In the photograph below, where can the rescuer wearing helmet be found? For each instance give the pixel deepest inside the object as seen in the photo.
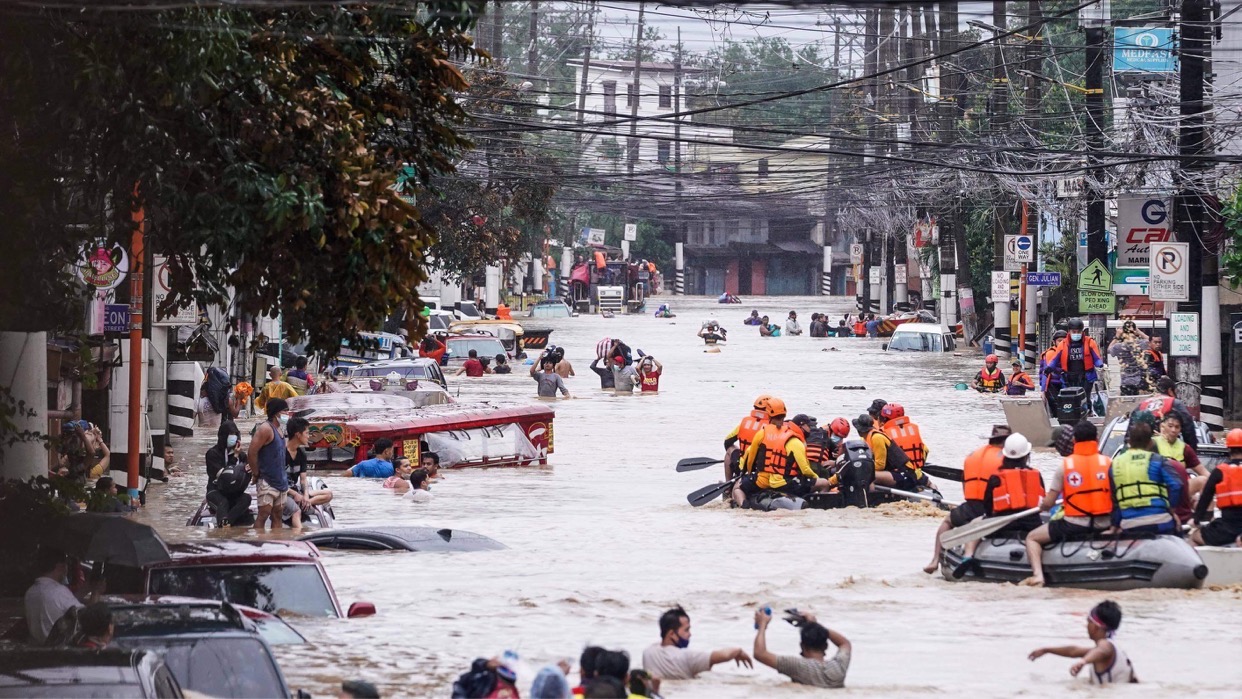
(1014, 487)
(1225, 484)
(1078, 357)
(979, 468)
(990, 378)
(1049, 373)
(905, 434)
(738, 441)
(839, 429)
(778, 459)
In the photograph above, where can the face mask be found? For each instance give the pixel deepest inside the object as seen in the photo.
(284, 419)
(1076, 336)
(682, 642)
(231, 441)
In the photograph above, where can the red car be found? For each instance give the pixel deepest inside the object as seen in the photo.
(278, 577)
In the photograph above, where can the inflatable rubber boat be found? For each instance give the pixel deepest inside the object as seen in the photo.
(319, 516)
(1096, 564)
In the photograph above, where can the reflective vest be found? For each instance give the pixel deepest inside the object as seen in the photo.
(1132, 481)
(1084, 488)
(599, 260)
(991, 381)
(981, 465)
(1019, 489)
(1090, 351)
(817, 449)
(1229, 492)
(1158, 405)
(1175, 451)
(777, 460)
(751, 426)
(905, 434)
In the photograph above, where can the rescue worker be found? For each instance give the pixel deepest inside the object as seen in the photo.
(1049, 372)
(1225, 485)
(978, 469)
(1014, 487)
(1083, 484)
(1019, 381)
(1170, 445)
(778, 460)
(738, 441)
(876, 406)
(1155, 361)
(905, 434)
(1144, 486)
(818, 453)
(839, 430)
(1164, 402)
(1078, 357)
(990, 378)
(892, 467)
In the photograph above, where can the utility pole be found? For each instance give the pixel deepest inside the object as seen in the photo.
(1192, 226)
(137, 258)
(948, 134)
(998, 107)
(632, 148)
(498, 31)
(681, 224)
(870, 63)
(1097, 237)
(1031, 115)
(583, 86)
(532, 47)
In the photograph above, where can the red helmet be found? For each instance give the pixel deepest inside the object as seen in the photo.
(1233, 439)
(991, 359)
(840, 427)
(892, 411)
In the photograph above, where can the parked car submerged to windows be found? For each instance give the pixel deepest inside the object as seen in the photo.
(87, 674)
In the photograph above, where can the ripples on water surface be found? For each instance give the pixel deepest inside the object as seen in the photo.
(603, 540)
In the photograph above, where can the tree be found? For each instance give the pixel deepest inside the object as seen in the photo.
(263, 143)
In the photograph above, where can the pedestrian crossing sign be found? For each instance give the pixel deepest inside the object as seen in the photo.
(1095, 277)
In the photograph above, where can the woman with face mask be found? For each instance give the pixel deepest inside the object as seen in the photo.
(228, 478)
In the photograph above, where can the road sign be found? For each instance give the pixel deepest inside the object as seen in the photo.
(1000, 285)
(1144, 50)
(1131, 282)
(1025, 252)
(899, 274)
(1141, 222)
(1096, 301)
(874, 276)
(1043, 278)
(593, 236)
(1183, 334)
(631, 232)
(116, 318)
(161, 287)
(856, 254)
(1012, 263)
(1237, 333)
(1095, 277)
(1170, 272)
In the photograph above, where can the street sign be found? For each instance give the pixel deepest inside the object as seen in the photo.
(116, 318)
(631, 232)
(1131, 282)
(1095, 277)
(1183, 334)
(1141, 222)
(1082, 256)
(856, 254)
(1025, 252)
(1237, 333)
(1000, 285)
(1170, 272)
(1096, 301)
(161, 287)
(874, 276)
(1043, 278)
(1144, 50)
(1012, 263)
(593, 236)
(899, 274)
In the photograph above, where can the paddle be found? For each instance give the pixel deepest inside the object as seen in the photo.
(949, 473)
(916, 496)
(981, 527)
(706, 494)
(696, 463)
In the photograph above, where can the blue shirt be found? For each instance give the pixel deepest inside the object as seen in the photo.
(272, 461)
(373, 468)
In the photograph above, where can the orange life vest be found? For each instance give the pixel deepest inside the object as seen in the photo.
(751, 426)
(905, 434)
(992, 380)
(1229, 492)
(1085, 491)
(777, 460)
(599, 260)
(982, 464)
(1019, 489)
(860, 328)
(1090, 351)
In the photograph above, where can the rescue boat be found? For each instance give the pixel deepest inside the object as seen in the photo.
(1095, 564)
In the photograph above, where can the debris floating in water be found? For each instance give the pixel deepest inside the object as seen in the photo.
(849, 388)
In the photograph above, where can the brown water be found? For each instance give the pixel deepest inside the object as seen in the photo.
(603, 540)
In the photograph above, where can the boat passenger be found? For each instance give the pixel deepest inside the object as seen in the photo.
(472, 366)
(1050, 373)
(874, 409)
(606, 382)
(737, 442)
(502, 365)
(1184, 460)
(672, 659)
(811, 666)
(892, 466)
(549, 382)
(1144, 485)
(977, 471)
(1015, 487)
(1083, 481)
(1165, 402)
(1225, 485)
(1019, 381)
(838, 430)
(1109, 664)
(420, 486)
(905, 434)
(990, 378)
(792, 327)
(753, 319)
(778, 456)
(1078, 356)
(378, 466)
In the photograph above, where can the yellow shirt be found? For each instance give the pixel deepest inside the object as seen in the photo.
(274, 389)
(796, 448)
(879, 442)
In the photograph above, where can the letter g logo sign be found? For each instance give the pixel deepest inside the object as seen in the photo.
(1154, 212)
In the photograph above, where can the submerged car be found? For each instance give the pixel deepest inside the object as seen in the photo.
(551, 308)
(406, 370)
(459, 346)
(921, 337)
(67, 673)
(384, 538)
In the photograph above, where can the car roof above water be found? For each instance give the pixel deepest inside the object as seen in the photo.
(235, 551)
(920, 328)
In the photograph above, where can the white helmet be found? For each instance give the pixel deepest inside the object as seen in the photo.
(1016, 446)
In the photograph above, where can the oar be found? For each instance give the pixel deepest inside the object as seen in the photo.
(706, 494)
(981, 527)
(949, 473)
(916, 496)
(696, 463)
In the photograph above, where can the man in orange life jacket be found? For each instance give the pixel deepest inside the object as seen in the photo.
(1078, 357)
(905, 434)
(980, 466)
(1225, 484)
(1014, 488)
(1084, 484)
(778, 460)
(990, 378)
(1019, 381)
(1155, 361)
(739, 440)
(892, 466)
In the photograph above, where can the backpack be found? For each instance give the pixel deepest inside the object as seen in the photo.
(218, 386)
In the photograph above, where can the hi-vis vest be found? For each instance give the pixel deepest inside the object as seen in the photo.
(1229, 492)
(1019, 489)
(982, 464)
(990, 381)
(1175, 451)
(905, 434)
(1132, 481)
(1085, 491)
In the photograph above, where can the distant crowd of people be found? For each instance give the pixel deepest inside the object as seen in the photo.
(849, 325)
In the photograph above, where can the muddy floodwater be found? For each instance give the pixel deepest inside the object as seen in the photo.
(602, 540)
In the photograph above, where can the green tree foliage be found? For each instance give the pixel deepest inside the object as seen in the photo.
(264, 144)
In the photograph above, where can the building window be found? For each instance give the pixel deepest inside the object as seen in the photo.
(666, 97)
(631, 95)
(662, 151)
(610, 96)
(763, 168)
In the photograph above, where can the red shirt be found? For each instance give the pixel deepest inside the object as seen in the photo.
(473, 367)
(650, 380)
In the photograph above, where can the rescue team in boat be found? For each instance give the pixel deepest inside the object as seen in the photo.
(766, 452)
(1090, 495)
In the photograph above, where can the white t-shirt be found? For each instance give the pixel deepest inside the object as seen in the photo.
(673, 663)
(418, 495)
(207, 416)
(46, 602)
(1121, 671)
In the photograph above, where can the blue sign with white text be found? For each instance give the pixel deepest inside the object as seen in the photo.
(1144, 50)
(116, 318)
(1043, 278)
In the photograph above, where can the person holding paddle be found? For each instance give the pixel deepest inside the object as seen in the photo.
(979, 468)
(1014, 488)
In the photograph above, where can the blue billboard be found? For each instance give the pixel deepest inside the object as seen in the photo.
(1144, 50)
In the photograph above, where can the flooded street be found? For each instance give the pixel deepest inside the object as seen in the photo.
(603, 540)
